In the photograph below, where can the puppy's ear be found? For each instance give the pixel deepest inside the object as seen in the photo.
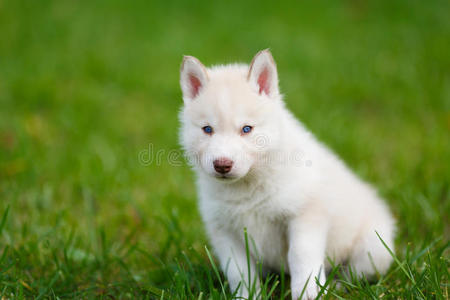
(193, 77)
(263, 73)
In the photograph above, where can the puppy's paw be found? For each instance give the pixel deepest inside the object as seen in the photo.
(310, 293)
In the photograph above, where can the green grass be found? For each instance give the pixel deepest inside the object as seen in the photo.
(85, 86)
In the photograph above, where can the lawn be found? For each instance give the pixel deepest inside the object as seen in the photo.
(96, 203)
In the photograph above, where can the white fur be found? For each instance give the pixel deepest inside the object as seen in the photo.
(299, 203)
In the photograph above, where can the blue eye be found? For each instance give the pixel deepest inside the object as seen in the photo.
(247, 129)
(207, 129)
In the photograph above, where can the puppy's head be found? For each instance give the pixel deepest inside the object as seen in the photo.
(229, 118)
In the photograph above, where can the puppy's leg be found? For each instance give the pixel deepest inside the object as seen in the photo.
(306, 255)
(233, 261)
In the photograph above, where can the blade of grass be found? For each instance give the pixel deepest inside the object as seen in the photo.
(216, 271)
(3, 221)
(401, 265)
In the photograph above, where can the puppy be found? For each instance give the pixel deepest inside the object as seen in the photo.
(261, 170)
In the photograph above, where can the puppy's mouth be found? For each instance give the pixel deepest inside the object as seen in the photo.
(223, 176)
(228, 177)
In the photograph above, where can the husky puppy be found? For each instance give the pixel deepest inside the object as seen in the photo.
(261, 170)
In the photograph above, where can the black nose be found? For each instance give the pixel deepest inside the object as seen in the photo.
(223, 165)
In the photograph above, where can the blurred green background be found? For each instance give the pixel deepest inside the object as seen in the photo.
(85, 86)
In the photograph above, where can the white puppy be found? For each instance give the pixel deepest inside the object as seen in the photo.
(258, 168)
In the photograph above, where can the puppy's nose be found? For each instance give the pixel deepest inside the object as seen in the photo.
(223, 165)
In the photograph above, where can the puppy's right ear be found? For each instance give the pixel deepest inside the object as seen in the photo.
(193, 77)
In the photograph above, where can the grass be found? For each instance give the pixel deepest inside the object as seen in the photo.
(86, 87)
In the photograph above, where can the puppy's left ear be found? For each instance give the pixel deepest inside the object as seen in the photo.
(263, 73)
(193, 77)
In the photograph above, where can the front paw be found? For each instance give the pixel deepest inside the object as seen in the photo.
(310, 292)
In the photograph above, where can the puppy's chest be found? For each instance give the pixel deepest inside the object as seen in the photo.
(268, 239)
(264, 212)
(266, 231)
